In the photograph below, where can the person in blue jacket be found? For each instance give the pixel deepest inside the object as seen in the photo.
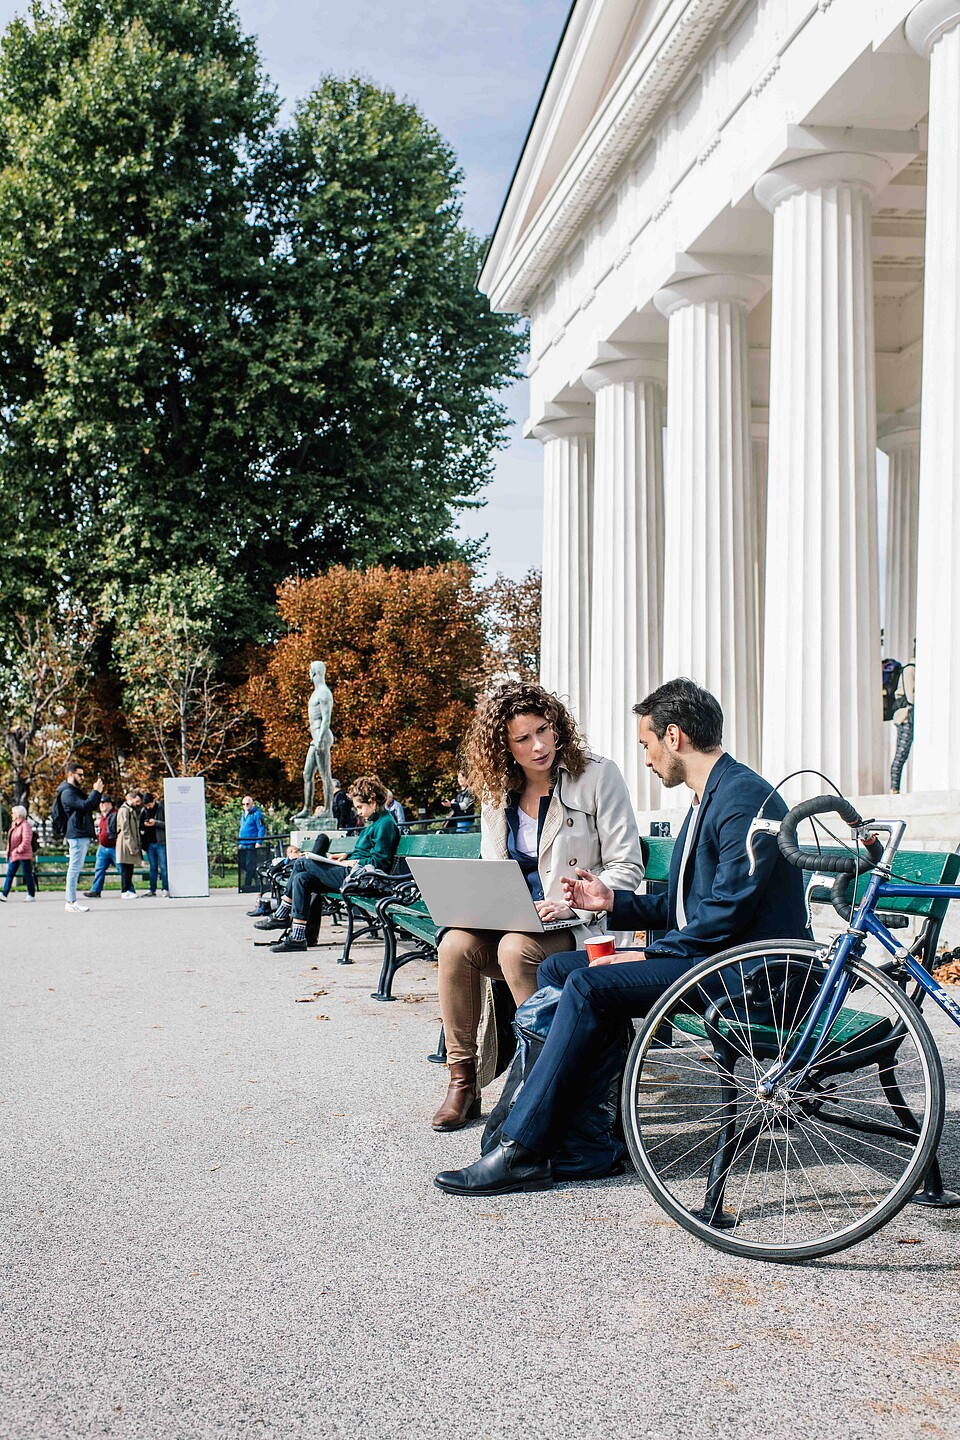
(712, 903)
(253, 831)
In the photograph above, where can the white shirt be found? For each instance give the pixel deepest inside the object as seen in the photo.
(527, 828)
(687, 847)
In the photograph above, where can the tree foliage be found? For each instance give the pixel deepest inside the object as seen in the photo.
(225, 343)
(44, 672)
(514, 612)
(185, 717)
(404, 651)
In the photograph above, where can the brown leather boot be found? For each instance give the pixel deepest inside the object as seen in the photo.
(462, 1102)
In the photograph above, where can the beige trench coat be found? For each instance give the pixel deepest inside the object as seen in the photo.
(590, 825)
(128, 836)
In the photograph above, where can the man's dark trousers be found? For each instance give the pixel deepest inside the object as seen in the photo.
(308, 878)
(597, 1003)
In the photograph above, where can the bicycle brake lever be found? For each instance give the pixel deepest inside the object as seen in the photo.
(759, 827)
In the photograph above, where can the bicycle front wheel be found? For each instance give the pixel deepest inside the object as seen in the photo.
(827, 1158)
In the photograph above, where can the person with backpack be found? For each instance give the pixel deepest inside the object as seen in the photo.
(20, 851)
(72, 818)
(106, 847)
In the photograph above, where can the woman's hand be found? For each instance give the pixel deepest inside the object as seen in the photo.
(552, 910)
(587, 892)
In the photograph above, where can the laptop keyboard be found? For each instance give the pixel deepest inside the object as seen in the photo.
(560, 924)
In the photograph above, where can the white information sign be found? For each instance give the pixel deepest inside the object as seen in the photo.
(185, 813)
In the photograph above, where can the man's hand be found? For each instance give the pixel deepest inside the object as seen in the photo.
(587, 892)
(551, 910)
(98, 784)
(619, 957)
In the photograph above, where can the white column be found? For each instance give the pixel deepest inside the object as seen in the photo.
(565, 592)
(625, 643)
(760, 440)
(710, 588)
(902, 445)
(821, 705)
(934, 29)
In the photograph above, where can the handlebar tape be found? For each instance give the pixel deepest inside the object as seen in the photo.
(812, 859)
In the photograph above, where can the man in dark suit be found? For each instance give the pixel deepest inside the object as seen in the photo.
(712, 903)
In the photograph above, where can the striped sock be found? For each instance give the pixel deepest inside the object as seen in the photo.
(298, 930)
(283, 909)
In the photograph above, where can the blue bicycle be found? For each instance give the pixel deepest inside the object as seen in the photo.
(799, 1102)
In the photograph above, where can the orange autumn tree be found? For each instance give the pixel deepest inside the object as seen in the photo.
(404, 651)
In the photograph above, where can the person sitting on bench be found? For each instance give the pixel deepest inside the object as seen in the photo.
(311, 874)
(712, 903)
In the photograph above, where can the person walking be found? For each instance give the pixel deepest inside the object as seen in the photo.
(75, 811)
(19, 852)
(253, 832)
(129, 852)
(153, 838)
(106, 847)
(343, 811)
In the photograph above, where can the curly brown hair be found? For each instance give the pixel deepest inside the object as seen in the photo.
(493, 772)
(369, 790)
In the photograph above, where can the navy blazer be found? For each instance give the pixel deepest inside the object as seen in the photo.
(725, 905)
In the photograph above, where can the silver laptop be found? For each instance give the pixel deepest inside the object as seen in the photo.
(480, 895)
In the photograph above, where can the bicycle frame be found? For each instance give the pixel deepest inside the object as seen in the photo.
(833, 991)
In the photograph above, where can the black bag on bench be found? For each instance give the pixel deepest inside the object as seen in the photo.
(592, 1146)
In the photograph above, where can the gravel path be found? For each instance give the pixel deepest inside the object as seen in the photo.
(219, 1220)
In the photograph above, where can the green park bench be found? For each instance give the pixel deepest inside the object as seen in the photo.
(51, 870)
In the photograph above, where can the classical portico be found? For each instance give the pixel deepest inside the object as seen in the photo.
(733, 229)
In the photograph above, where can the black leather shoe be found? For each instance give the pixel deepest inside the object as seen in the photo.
(92, 894)
(260, 910)
(272, 923)
(507, 1168)
(283, 947)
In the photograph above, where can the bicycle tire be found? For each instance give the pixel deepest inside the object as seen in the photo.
(678, 1100)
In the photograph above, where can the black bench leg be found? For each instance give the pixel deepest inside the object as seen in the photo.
(348, 938)
(439, 1057)
(384, 990)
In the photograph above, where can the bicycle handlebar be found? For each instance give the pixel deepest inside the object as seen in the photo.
(812, 859)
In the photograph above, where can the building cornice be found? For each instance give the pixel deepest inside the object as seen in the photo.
(616, 130)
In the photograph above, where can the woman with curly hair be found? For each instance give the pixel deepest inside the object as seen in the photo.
(554, 807)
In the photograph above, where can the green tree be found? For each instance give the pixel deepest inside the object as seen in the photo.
(387, 407)
(224, 343)
(131, 255)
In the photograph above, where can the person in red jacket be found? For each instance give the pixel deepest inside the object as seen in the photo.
(20, 852)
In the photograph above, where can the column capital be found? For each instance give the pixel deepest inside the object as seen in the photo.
(627, 361)
(929, 22)
(745, 290)
(561, 419)
(848, 167)
(900, 433)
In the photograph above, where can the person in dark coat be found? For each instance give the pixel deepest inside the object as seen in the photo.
(79, 809)
(712, 903)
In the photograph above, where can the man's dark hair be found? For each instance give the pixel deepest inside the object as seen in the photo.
(71, 766)
(687, 705)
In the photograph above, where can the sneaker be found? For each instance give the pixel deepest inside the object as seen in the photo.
(92, 894)
(3, 898)
(31, 898)
(151, 894)
(166, 894)
(75, 908)
(128, 895)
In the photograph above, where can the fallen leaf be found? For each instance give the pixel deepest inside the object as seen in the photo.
(194, 1272)
(736, 1346)
(321, 1017)
(319, 992)
(910, 1240)
(214, 1167)
(414, 999)
(304, 1000)
(254, 1082)
(51, 989)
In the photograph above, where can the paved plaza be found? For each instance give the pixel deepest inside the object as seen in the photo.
(219, 1220)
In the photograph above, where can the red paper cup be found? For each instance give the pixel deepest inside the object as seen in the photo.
(600, 948)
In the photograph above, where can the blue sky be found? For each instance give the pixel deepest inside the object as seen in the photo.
(476, 71)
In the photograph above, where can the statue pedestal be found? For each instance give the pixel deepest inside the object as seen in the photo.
(304, 832)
